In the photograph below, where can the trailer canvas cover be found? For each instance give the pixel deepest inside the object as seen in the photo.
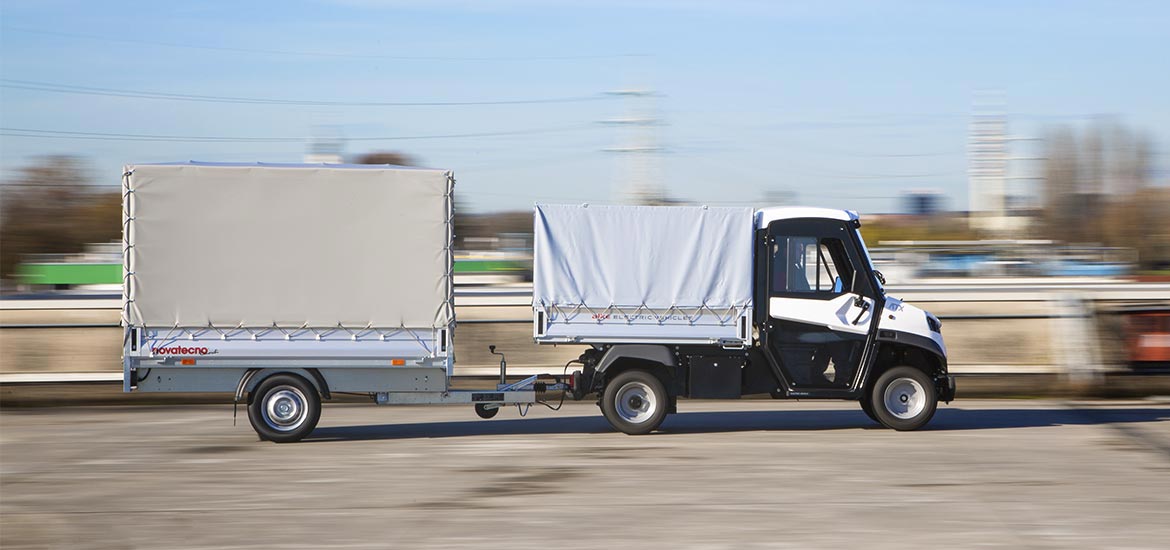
(670, 269)
(287, 246)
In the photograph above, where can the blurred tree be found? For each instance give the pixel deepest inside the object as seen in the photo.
(943, 226)
(462, 217)
(50, 207)
(1097, 189)
(386, 157)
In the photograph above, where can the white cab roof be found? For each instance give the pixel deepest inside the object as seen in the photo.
(765, 216)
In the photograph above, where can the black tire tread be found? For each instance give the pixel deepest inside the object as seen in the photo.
(609, 406)
(889, 420)
(256, 404)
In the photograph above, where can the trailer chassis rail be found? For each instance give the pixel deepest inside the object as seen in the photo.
(524, 392)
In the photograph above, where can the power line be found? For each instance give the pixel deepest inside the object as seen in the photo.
(892, 176)
(869, 154)
(96, 187)
(54, 134)
(98, 136)
(318, 54)
(141, 94)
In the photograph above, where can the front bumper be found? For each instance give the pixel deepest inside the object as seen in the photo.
(946, 387)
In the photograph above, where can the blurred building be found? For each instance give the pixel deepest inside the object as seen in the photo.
(779, 197)
(922, 202)
(640, 181)
(991, 207)
(329, 150)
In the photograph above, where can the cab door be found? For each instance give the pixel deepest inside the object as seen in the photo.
(821, 303)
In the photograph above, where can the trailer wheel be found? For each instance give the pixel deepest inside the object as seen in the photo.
(484, 412)
(284, 408)
(904, 398)
(635, 402)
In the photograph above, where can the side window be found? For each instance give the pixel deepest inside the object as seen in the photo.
(824, 278)
(810, 265)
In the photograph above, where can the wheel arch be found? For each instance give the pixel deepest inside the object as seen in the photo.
(254, 377)
(660, 360)
(929, 360)
(653, 353)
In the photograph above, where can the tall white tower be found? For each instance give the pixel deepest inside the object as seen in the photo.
(987, 155)
(328, 146)
(641, 180)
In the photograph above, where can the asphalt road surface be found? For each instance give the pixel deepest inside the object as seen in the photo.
(758, 474)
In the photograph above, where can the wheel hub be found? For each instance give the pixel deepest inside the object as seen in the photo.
(636, 403)
(905, 398)
(284, 408)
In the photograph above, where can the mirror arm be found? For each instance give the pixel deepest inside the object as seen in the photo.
(864, 305)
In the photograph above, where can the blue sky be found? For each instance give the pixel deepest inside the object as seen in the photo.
(844, 104)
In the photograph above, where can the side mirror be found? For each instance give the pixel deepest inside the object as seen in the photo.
(838, 285)
(881, 278)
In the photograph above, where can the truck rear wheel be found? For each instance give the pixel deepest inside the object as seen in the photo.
(904, 398)
(635, 402)
(284, 408)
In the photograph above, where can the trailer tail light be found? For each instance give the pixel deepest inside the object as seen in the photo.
(398, 362)
(186, 361)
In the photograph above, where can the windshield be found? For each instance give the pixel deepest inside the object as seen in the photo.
(865, 253)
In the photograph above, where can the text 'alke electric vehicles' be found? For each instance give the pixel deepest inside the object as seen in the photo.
(288, 283)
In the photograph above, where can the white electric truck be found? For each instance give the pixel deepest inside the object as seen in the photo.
(288, 283)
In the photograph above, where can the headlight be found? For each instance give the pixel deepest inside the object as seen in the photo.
(934, 324)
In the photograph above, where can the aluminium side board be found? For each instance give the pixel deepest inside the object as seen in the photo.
(232, 267)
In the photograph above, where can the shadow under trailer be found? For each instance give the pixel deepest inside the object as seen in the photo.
(666, 301)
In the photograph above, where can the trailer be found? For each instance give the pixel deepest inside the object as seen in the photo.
(667, 302)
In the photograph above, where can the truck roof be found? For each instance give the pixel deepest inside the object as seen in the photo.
(288, 165)
(765, 216)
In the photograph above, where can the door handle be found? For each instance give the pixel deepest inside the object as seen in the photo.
(864, 308)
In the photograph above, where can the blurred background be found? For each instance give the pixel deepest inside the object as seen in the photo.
(1010, 161)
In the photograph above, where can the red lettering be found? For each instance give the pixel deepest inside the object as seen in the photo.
(180, 350)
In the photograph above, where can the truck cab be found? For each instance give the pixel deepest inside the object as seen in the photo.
(822, 327)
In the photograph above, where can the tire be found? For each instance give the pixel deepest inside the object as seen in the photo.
(284, 408)
(904, 398)
(867, 408)
(635, 402)
(485, 413)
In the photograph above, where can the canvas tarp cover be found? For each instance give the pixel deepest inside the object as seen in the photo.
(653, 256)
(290, 245)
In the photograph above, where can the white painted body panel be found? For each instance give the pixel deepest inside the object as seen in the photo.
(765, 216)
(903, 317)
(836, 314)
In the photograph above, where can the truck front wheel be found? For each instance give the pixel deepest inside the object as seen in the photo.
(635, 402)
(904, 398)
(284, 408)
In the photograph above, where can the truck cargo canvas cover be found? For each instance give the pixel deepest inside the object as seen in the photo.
(634, 272)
